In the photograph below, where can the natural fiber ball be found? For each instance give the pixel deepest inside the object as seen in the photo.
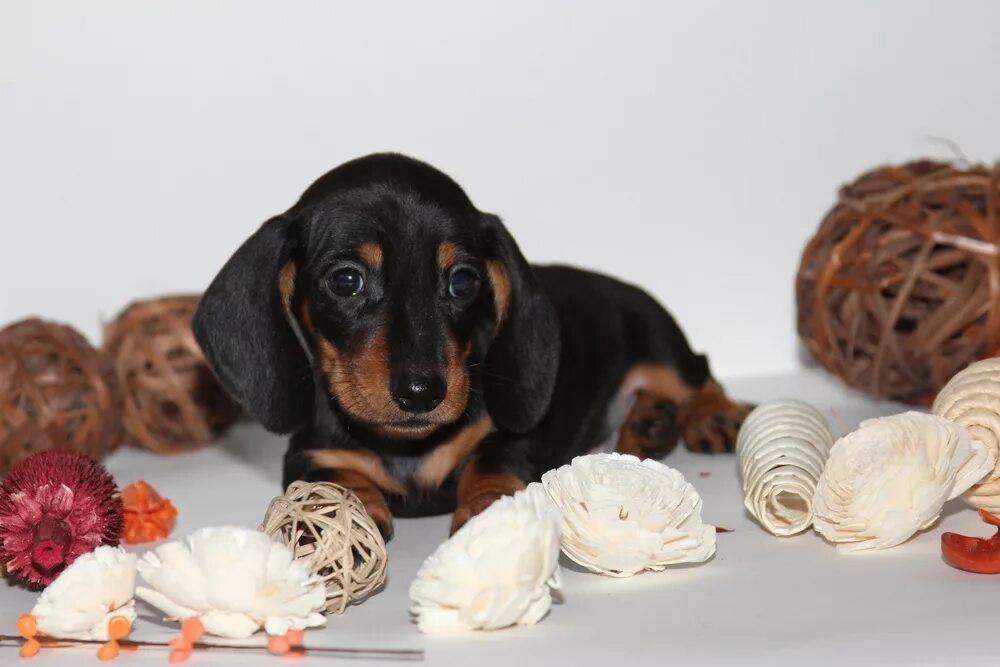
(900, 287)
(56, 392)
(328, 525)
(171, 400)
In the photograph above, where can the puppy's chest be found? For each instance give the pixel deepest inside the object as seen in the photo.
(429, 471)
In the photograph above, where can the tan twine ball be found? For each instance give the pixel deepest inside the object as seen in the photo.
(56, 392)
(172, 402)
(328, 525)
(900, 287)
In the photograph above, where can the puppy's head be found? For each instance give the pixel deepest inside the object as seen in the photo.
(387, 293)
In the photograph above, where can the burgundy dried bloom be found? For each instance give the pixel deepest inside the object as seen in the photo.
(55, 506)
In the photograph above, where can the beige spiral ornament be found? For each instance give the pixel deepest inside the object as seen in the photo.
(782, 448)
(971, 399)
(328, 525)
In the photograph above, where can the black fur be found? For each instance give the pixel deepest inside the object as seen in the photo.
(546, 378)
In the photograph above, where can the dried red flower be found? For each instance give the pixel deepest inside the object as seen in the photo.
(55, 506)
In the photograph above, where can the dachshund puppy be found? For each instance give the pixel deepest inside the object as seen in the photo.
(416, 358)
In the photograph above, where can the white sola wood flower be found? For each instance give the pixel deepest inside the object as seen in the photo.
(891, 477)
(235, 581)
(622, 515)
(971, 399)
(95, 588)
(498, 570)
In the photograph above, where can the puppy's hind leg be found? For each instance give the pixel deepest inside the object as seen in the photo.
(667, 406)
(651, 429)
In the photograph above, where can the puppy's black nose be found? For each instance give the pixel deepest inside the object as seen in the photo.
(418, 393)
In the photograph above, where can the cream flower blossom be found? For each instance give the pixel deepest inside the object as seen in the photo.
(622, 515)
(782, 448)
(95, 588)
(971, 399)
(235, 581)
(498, 570)
(890, 478)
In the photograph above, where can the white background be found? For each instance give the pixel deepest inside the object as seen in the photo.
(690, 147)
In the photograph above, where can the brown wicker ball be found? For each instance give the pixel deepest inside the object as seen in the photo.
(171, 400)
(900, 287)
(327, 525)
(56, 391)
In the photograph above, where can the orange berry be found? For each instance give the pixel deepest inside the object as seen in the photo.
(179, 655)
(27, 626)
(278, 645)
(295, 637)
(30, 648)
(192, 630)
(119, 627)
(108, 651)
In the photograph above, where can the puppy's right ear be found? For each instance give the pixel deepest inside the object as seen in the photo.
(242, 328)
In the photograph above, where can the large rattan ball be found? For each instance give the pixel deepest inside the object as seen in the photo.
(56, 392)
(172, 401)
(328, 525)
(900, 287)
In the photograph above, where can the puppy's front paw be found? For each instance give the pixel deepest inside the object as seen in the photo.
(471, 508)
(378, 510)
(711, 421)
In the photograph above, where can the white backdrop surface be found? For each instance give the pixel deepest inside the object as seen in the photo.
(690, 147)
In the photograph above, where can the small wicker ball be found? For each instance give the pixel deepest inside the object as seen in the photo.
(172, 402)
(900, 287)
(56, 392)
(328, 525)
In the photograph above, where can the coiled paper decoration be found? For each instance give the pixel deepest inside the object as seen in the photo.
(971, 399)
(782, 448)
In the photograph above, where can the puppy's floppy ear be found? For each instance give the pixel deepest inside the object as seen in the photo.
(523, 359)
(241, 326)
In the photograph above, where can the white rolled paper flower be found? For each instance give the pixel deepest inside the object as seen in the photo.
(782, 448)
(889, 479)
(498, 570)
(971, 399)
(623, 515)
(235, 581)
(81, 601)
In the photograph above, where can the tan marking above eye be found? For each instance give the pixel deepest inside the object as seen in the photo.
(370, 254)
(448, 255)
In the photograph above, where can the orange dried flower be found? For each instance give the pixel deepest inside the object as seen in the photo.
(148, 516)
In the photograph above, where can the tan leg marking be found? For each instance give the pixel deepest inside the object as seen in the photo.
(477, 491)
(370, 495)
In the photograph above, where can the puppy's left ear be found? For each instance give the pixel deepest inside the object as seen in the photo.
(523, 359)
(241, 326)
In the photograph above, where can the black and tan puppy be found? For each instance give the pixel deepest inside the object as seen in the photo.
(416, 357)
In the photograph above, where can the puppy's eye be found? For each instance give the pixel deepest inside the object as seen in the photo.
(463, 282)
(347, 282)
